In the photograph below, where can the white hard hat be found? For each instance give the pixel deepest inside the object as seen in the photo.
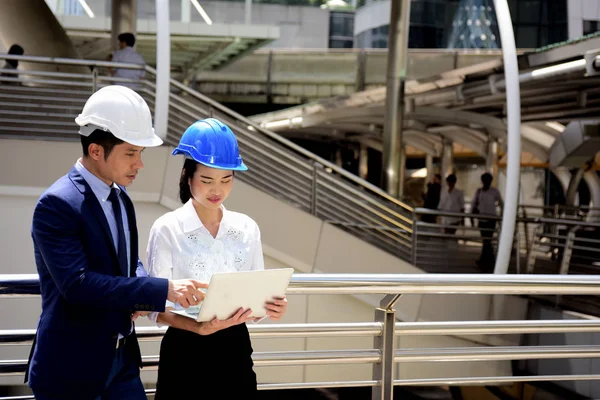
(121, 111)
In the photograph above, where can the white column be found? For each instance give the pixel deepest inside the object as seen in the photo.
(447, 161)
(186, 11)
(491, 162)
(248, 12)
(163, 68)
(363, 162)
(123, 19)
(394, 103)
(429, 168)
(513, 110)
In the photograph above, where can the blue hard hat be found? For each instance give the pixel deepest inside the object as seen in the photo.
(210, 142)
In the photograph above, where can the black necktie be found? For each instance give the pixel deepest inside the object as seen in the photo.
(121, 242)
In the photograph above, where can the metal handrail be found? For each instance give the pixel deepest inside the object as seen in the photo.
(11, 285)
(367, 329)
(217, 106)
(287, 143)
(28, 284)
(566, 222)
(311, 182)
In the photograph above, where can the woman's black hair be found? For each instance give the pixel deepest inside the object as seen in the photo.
(187, 172)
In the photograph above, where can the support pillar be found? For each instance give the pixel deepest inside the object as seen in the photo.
(248, 12)
(124, 19)
(363, 162)
(394, 107)
(513, 113)
(491, 162)
(186, 11)
(430, 171)
(573, 186)
(163, 68)
(401, 171)
(447, 162)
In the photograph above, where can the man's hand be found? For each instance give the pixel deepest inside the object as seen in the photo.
(210, 327)
(186, 292)
(138, 314)
(276, 308)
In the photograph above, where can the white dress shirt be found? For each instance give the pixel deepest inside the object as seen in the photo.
(130, 56)
(486, 201)
(180, 246)
(453, 201)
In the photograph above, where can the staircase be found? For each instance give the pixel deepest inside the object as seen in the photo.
(45, 105)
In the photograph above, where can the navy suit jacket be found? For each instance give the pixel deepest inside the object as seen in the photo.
(86, 300)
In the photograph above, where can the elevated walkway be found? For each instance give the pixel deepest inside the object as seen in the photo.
(465, 105)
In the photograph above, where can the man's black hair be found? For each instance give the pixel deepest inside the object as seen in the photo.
(451, 178)
(128, 38)
(102, 138)
(16, 50)
(486, 178)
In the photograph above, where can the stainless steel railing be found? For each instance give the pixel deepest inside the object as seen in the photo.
(45, 104)
(384, 354)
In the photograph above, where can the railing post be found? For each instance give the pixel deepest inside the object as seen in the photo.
(568, 250)
(517, 245)
(314, 188)
(383, 372)
(531, 256)
(95, 80)
(415, 239)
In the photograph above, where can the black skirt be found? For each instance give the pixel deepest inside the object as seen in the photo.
(192, 365)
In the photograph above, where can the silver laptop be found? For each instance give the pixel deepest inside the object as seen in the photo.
(228, 292)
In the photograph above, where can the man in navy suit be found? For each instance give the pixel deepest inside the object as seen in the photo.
(86, 249)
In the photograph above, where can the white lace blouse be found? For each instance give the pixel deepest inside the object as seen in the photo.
(180, 246)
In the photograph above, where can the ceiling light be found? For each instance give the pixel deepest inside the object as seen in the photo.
(87, 8)
(201, 11)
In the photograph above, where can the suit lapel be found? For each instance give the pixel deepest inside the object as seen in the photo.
(98, 212)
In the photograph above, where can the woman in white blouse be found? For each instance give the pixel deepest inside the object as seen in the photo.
(195, 241)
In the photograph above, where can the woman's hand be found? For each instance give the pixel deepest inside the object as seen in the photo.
(210, 327)
(276, 308)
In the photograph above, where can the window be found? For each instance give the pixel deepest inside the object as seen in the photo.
(72, 7)
(341, 29)
(590, 27)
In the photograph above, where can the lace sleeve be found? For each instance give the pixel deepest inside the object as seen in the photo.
(258, 262)
(160, 259)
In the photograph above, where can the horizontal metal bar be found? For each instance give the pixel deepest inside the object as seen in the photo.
(315, 385)
(493, 380)
(70, 61)
(443, 283)
(497, 353)
(497, 327)
(310, 357)
(315, 330)
(27, 284)
(489, 380)
(150, 333)
(261, 359)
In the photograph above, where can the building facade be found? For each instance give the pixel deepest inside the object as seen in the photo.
(441, 23)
